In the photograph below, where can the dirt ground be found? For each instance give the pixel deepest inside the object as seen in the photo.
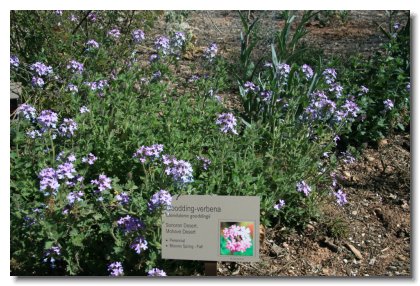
(369, 236)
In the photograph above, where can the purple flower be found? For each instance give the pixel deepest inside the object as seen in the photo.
(97, 85)
(72, 88)
(151, 152)
(336, 138)
(153, 57)
(211, 52)
(364, 89)
(90, 159)
(160, 199)
(14, 61)
(396, 26)
(66, 170)
(33, 134)
(335, 87)
(92, 17)
(250, 86)
(180, 170)
(138, 36)
(389, 104)
(48, 119)
(227, 122)
(206, 162)
(156, 272)
(139, 244)
(50, 255)
(75, 196)
(123, 198)
(156, 75)
(302, 187)
(68, 127)
(28, 111)
(341, 197)
(71, 158)
(350, 108)
(178, 40)
(58, 12)
(330, 75)
(130, 224)
(162, 44)
(115, 33)
(266, 95)
(193, 78)
(283, 70)
(73, 18)
(347, 157)
(307, 70)
(408, 87)
(84, 109)
(116, 269)
(49, 179)
(75, 67)
(37, 82)
(41, 69)
(320, 107)
(92, 45)
(280, 205)
(103, 183)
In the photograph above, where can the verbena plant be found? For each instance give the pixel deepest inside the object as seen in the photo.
(109, 132)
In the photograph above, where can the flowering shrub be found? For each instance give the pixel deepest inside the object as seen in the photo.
(105, 142)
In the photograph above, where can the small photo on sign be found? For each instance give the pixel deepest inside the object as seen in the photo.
(237, 238)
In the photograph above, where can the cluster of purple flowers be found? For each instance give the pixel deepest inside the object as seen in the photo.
(84, 109)
(303, 187)
(266, 95)
(250, 86)
(364, 89)
(28, 111)
(114, 33)
(14, 61)
(123, 198)
(389, 104)
(151, 152)
(116, 269)
(206, 162)
(47, 119)
(92, 17)
(307, 70)
(51, 255)
(349, 109)
(103, 183)
(68, 127)
(73, 18)
(153, 57)
(90, 159)
(162, 44)
(211, 52)
(347, 157)
(37, 81)
(72, 88)
(41, 69)
(178, 40)
(49, 180)
(337, 88)
(320, 107)
(180, 170)
(330, 75)
(92, 45)
(138, 36)
(341, 197)
(156, 272)
(280, 205)
(65, 171)
(75, 196)
(283, 71)
(130, 224)
(97, 85)
(75, 67)
(156, 75)
(139, 244)
(227, 123)
(193, 78)
(160, 199)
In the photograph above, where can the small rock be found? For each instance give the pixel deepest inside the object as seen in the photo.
(401, 257)
(392, 268)
(370, 159)
(347, 174)
(372, 261)
(355, 251)
(354, 212)
(382, 142)
(345, 260)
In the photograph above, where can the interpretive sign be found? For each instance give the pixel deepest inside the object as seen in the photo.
(212, 228)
